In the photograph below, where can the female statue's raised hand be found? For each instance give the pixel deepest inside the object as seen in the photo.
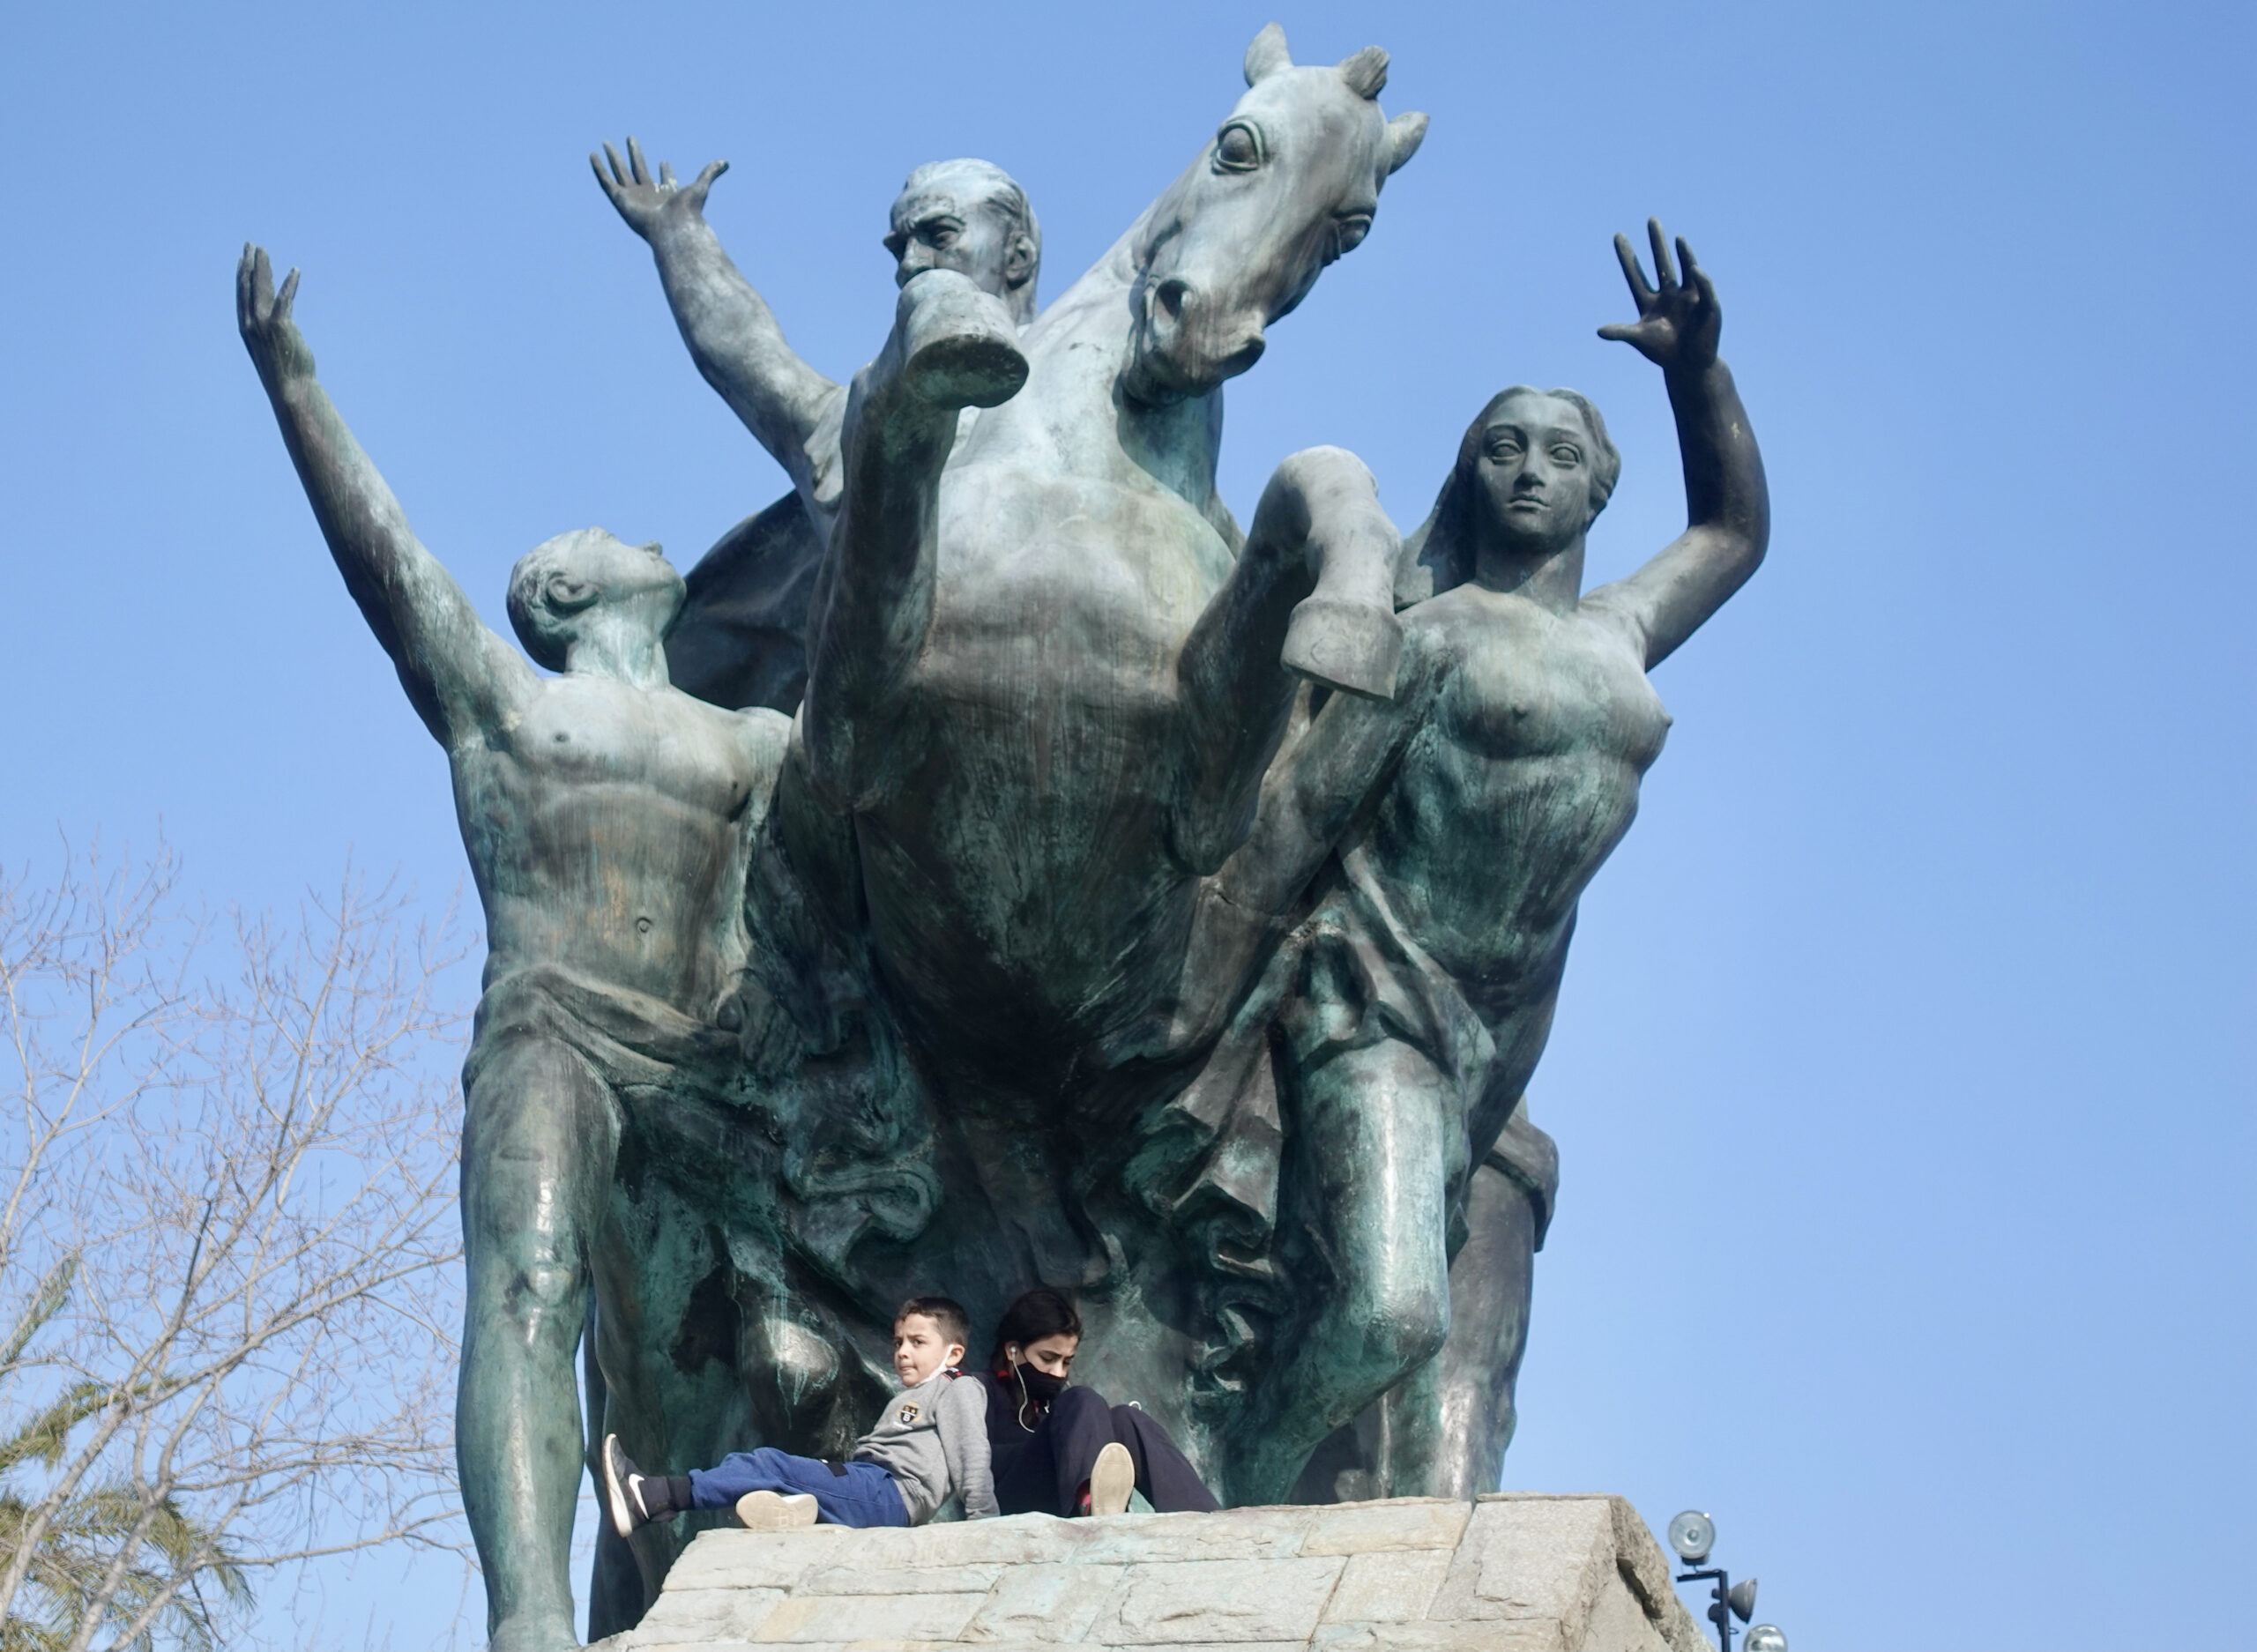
(1678, 321)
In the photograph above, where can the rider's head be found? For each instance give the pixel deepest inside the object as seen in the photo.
(971, 217)
(560, 588)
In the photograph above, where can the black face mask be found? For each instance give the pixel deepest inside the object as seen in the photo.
(1037, 1390)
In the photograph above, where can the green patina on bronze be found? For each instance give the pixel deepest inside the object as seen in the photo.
(993, 866)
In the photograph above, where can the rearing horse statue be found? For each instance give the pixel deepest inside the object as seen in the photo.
(1047, 671)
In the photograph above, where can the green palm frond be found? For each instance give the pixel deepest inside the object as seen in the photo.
(42, 1436)
(46, 1303)
(70, 1573)
(69, 1578)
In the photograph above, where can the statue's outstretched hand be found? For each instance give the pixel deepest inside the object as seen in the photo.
(278, 349)
(644, 201)
(1678, 321)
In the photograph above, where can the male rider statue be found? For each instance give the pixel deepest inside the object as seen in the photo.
(738, 642)
(962, 215)
(608, 816)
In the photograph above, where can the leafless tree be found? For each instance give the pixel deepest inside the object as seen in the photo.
(227, 1248)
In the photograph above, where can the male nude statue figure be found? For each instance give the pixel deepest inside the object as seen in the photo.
(738, 642)
(607, 816)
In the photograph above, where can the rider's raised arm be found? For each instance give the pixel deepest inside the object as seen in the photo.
(731, 332)
(1728, 506)
(459, 674)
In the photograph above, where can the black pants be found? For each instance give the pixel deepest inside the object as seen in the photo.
(1043, 1473)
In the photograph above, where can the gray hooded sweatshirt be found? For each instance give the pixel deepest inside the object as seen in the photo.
(933, 1440)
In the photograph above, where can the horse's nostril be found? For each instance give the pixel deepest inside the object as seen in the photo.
(1170, 295)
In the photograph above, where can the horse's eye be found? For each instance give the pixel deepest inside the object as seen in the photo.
(1348, 233)
(1238, 147)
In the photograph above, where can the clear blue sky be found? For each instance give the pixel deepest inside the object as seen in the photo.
(1902, 1082)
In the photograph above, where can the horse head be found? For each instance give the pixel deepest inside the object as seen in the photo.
(1290, 184)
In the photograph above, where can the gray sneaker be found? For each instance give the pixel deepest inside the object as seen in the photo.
(775, 1511)
(1112, 1478)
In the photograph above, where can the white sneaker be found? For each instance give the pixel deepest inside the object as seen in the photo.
(775, 1511)
(1113, 1477)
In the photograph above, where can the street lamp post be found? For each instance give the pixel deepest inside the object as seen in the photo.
(1693, 1534)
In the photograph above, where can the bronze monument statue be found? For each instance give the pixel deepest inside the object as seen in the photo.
(992, 867)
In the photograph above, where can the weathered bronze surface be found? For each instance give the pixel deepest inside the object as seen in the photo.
(994, 867)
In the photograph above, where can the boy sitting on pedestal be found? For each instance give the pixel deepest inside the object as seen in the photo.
(930, 1444)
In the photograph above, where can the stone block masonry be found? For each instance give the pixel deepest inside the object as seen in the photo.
(1514, 1572)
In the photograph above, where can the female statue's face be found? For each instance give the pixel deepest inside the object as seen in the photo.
(1534, 471)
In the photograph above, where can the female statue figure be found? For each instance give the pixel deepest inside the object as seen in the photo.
(1433, 848)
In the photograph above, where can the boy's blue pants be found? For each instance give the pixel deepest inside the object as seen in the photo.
(864, 1496)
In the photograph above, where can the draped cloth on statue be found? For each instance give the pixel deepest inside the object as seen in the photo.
(1212, 1162)
(741, 637)
(1530, 1157)
(815, 1159)
(633, 1042)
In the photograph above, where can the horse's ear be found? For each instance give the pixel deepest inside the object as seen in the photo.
(1404, 134)
(1366, 73)
(1268, 53)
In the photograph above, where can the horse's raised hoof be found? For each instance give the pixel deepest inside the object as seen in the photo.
(959, 345)
(1344, 645)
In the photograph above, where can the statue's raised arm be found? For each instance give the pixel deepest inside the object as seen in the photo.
(459, 673)
(732, 334)
(1728, 506)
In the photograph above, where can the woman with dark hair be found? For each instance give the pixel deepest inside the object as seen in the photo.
(1064, 1450)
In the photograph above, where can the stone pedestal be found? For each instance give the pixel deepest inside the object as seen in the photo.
(1512, 1573)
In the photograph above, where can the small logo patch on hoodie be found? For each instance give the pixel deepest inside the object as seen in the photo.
(908, 1413)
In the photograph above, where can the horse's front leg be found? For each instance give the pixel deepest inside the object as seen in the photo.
(1313, 594)
(952, 346)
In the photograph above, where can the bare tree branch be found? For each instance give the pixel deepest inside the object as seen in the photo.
(229, 1249)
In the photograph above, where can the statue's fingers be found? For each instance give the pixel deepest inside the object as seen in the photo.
(261, 283)
(705, 180)
(666, 173)
(1632, 271)
(282, 299)
(1665, 276)
(1619, 333)
(618, 168)
(1701, 284)
(603, 178)
(243, 285)
(634, 156)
